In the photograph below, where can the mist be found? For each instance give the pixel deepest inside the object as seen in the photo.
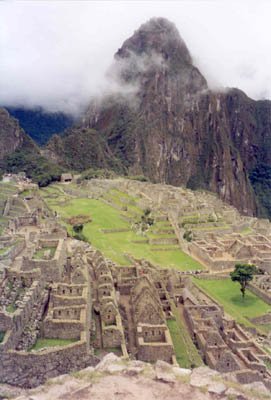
(56, 54)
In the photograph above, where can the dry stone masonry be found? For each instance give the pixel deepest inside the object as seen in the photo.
(54, 288)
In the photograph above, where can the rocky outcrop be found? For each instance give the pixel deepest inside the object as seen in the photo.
(11, 135)
(117, 378)
(165, 123)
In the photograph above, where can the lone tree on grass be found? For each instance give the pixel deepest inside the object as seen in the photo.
(243, 273)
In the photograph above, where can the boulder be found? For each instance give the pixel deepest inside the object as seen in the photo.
(202, 376)
(164, 372)
(217, 388)
(107, 360)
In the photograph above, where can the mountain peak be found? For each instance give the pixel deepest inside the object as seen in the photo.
(156, 35)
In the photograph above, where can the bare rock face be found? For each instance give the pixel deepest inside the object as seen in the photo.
(165, 123)
(11, 135)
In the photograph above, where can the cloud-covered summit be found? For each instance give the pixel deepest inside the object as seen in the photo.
(56, 54)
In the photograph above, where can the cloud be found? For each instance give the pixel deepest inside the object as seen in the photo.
(56, 54)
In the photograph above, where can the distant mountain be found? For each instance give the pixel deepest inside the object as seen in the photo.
(18, 152)
(167, 124)
(12, 136)
(41, 125)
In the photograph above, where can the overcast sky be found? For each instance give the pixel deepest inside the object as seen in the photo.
(54, 54)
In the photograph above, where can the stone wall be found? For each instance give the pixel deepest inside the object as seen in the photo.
(214, 277)
(57, 329)
(32, 369)
(263, 295)
(153, 351)
(112, 336)
(262, 320)
(21, 316)
(14, 250)
(6, 321)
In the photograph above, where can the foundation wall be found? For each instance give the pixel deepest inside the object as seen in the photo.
(32, 369)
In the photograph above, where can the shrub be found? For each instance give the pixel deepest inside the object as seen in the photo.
(140, 178)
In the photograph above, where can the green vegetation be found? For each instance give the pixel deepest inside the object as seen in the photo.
(4, 250)
(140, 178)
(77, 232)
(123, 239)
(40, 254)
(260, 178)
(227, 294)
(41, 125)
(243, 273)
(43, 343)
(36, 167)
(2, 335)
(11, 308)
(186, 353)
(188, 235)
(92, 173)
(268, 364)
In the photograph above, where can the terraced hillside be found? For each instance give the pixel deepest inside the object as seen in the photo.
(7, 190)
(116, 226)
(227, 294)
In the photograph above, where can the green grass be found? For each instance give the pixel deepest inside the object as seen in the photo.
(43, 343)
(39, 254)
(228, 294)
(186, 353)
(114, 245)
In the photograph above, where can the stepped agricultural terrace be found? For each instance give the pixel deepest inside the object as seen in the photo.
(132, 286)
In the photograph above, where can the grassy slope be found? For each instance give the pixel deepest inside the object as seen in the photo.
(186, 353)
(228, 294)
(114, 245)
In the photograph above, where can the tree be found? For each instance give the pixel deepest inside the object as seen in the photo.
(243, 273)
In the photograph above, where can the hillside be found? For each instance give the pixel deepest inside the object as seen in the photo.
(137, 269)
(39, 124)
(19, 153)
(167, 124)
(12, 137)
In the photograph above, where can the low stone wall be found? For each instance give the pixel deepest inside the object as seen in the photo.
(48, 268)
(165, 241)
(260, 293)
(21, 316)
(151, 352)
(262, 320)
(5, 321)
(28, 277)
(218, 277)
(34, 368)
(249, 376)
(7, 207)
(58, 329)
(199, 253)
(115, 230)
(14, 250)
(66, 301)
(209, 297)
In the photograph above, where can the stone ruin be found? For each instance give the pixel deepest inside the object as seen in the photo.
(44, 294)
(223, 344)
(57, 288)
(224, 251)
